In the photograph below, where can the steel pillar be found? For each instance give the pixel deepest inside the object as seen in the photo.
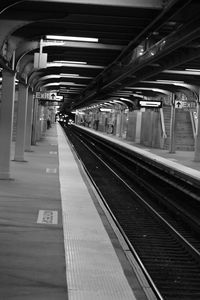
(197, 137)
(6, 122)
(172, 145)
(35, 116)
(29, 121)
(21, 123)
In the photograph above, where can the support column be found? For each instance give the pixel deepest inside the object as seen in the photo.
(39, 123)
(45, 117)
(197, 136)
(138, 127)
(21, 123)
(6, 122)
(35, 116)
(172, 145)
(29, 121)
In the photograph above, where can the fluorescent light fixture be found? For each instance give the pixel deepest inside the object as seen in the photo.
(63, 83)
(169, 81)
(107, 103)
(71, 92)
(184, 72)
(74, 65)
(158, 90)
(71, 83)
(71, 38)
(54, 76)
(52, 83)
(70, 62)
(149, 89)
(193, 70)
(150, 103)
(127, 100)
(105, 109)
(68, 75)
(139, 96)
(124, 99)
(62, 75)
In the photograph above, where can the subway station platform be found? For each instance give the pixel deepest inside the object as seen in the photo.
(56, 241)
(182, 161)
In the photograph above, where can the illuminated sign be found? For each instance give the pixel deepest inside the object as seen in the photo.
(186, 105)
(48, 96)
(151, 104)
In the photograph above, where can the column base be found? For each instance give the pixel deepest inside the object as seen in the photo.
(19, 160)
(5, 176)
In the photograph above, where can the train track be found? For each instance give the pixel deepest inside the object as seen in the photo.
(156, 208)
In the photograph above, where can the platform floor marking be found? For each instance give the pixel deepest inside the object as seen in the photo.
(47, 217)
(53, 152)
(48, 170)
(54, 144)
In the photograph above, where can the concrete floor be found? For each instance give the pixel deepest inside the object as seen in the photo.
(32, 261)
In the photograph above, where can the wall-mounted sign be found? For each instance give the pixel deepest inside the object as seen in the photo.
(150, 104)
(40, 95)
(40, 60)
(48, 96)
(187, 105)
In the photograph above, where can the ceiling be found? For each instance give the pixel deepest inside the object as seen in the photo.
(141, 44)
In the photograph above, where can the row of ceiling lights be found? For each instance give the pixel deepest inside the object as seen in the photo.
(82, 63)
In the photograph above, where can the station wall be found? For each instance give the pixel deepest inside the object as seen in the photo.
(142, 126)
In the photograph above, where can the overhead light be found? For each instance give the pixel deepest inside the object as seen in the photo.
(71, 38)
(52, 83)
(64, 75)
(105, 109)
(184, 72)
(70, 62)
(169, 81)
(193, 70)
(124, 99)
(157, 90)
(68, 75)
(74, 65)
(72, 83)
(147, 89)
(54, 76)
(136, 95)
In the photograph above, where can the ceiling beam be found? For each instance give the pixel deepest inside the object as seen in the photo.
(5, 4)
(122, 76)
(147, 4)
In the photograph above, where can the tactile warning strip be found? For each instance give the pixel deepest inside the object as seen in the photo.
(92, 268)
